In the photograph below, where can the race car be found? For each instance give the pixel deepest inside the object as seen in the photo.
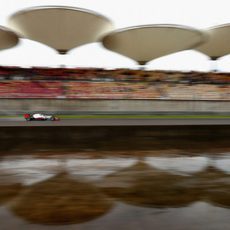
(40, 117)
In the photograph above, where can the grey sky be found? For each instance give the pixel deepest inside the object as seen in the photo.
(196, 13)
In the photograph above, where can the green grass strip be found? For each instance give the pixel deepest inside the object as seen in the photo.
(143, 116)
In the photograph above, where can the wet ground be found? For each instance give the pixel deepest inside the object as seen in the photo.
(140, 177)
(166, 185)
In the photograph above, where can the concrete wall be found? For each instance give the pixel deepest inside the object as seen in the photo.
(204, 139)
(52, 105)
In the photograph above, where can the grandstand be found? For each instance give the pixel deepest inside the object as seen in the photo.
(112, 84)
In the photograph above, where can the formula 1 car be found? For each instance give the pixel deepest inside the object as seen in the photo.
(40, 117)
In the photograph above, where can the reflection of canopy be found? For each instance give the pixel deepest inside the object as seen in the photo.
(144, 43)
(8, 38)
(218, 44)
(8, 192)
(9, 187)
(141, 185)
(61, 28)
(61, 200)
(215, 185)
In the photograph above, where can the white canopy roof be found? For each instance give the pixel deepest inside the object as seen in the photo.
(8, 38)
(218, 44)
(62, 28)
(145, 43)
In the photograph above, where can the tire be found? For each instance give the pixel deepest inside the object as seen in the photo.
(28, 119)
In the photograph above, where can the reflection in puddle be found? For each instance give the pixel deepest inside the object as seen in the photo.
(110, 192)
(60, 200)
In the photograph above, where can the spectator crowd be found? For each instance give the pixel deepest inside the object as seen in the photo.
(95, 83)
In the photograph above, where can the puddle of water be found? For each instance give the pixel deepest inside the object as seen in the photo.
(108, 190)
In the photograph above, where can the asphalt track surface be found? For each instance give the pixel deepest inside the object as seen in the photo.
(4, 122)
